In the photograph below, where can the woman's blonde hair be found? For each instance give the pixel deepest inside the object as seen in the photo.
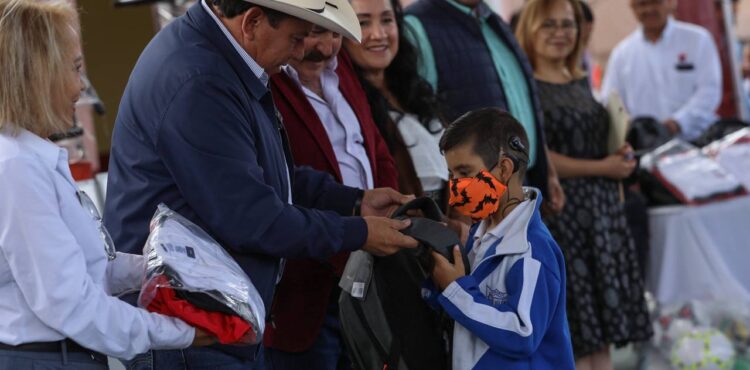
(533, 14)
(37, 39)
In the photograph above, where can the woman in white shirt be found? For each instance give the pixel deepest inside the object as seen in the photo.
(403, 104)
(56, 280)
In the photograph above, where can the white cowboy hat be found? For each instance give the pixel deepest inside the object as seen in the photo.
(334, 15)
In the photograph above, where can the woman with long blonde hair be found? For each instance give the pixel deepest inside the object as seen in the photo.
(605, 293)
(57, 272)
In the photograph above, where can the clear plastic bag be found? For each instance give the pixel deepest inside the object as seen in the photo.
(733, 153)
(184, 259)
(690, 175)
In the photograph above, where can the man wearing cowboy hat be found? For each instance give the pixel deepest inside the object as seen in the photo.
(197, 130)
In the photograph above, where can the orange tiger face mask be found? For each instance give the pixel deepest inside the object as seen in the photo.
(477, 197)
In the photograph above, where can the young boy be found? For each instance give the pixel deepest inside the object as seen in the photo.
(510, 310)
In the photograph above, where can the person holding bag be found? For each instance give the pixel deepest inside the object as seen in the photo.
(58, 268)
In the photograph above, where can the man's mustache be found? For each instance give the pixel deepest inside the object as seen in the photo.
(316, 56)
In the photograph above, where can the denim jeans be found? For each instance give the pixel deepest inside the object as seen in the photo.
(193, 359)
(12, 360)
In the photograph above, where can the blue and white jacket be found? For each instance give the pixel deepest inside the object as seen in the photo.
(510, 311)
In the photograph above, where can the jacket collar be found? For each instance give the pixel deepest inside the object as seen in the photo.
(665, 34)
(287, 89)
(511, 233)
(202, 21)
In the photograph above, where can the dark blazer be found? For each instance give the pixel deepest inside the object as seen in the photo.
(305, 289)
(198, 131)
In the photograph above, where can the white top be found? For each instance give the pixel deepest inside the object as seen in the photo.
(55, 280)
(341, 125)
(424, 149)
(678, 77)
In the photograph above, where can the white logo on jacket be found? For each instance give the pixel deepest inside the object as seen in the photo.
(496, 296)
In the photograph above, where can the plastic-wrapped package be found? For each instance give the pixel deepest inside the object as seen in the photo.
(733, 154)
(690, 175)
(190, 276)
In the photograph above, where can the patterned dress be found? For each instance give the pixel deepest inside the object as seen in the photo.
(605, 290)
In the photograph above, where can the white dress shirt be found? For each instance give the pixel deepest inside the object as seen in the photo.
(677, 77)
(55, 280)
(341, 125)
(424, 148)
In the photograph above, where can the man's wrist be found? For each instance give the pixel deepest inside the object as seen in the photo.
(357, 210)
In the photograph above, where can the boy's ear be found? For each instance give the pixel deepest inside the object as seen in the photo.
(506, 169)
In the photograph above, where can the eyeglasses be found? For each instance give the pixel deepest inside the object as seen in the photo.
(90, 207)
(551, 25)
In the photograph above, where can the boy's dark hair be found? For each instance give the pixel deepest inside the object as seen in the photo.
(492, 131)
(233, 8)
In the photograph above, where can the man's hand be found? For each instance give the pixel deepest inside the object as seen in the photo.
(202, 338)
(673, 127)
(384, 236)
(382, 202)
(444, 273)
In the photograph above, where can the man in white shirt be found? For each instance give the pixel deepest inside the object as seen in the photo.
(746, 74)
(668, 70)
(330, 128)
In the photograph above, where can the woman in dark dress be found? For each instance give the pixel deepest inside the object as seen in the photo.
(605, 290)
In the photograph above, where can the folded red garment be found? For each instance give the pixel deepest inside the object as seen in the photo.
(229, 329)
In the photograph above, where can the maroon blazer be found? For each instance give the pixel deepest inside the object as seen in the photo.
(304, 292)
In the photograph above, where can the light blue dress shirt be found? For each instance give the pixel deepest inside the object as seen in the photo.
(55, 280)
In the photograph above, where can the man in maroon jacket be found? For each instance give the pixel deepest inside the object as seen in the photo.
(330, 128)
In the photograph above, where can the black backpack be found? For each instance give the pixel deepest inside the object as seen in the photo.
(392, 327)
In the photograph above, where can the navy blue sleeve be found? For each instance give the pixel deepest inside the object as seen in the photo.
(207, 141)
(319, 190)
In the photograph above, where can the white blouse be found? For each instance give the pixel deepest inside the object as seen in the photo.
(424, 149)
(55, 280)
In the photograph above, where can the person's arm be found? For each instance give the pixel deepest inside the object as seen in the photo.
(319, 190)
(50, 269)
(513, 328)
(208, 144)
(125, 273)
(556, 199)
(416, 34)
(698, 113)
(615, 166)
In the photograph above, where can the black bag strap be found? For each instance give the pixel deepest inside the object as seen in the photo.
(387, 360)
(425, 204)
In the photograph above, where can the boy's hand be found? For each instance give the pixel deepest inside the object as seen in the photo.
(444, 273)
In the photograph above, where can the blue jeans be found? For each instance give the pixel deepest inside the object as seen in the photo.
(326, 353)
(12, 360)
(193, 359)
